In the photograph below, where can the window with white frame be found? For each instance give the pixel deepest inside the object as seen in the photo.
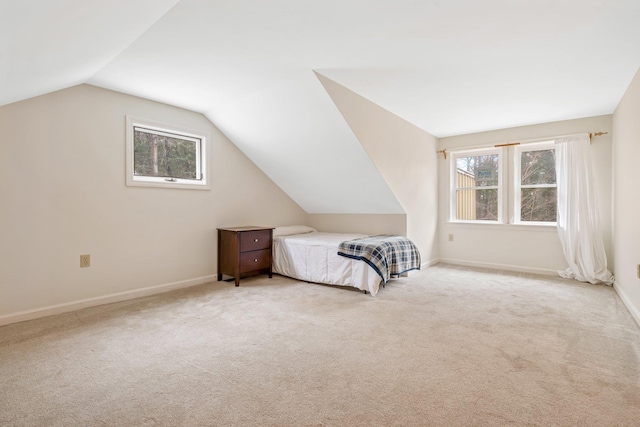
(500, 185)
(166, 156)
(476, 177)
(535, 192)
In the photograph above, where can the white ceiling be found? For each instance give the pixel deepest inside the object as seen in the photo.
(447, 66)
(47, 45)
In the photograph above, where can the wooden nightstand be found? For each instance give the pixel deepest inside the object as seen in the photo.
(244, 251)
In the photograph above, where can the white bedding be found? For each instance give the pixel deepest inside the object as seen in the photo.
(313, 257)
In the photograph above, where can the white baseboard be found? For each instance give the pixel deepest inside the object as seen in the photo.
(635, 313)
(106, 299)
(506, 267)
(429, 263)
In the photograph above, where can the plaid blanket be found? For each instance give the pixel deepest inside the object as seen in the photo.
(387, 255)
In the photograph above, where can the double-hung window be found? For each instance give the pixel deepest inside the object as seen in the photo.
(507, 184)
(535, 193)
(477, 186)
(165, 156)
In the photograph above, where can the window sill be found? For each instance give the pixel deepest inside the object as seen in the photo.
(550, 228)
(181, 184)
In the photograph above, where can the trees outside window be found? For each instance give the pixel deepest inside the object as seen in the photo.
(166, 156)
(477, 186)
(535, 183)
(480, 182)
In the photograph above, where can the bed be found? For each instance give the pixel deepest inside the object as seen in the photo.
(303, 253)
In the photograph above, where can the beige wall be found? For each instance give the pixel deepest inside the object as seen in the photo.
(404, 154)
(359, 223)
(514, 247)
(63, 194)
(62, 186)
(626, 237)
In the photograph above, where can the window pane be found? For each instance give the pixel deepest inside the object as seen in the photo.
(538, 167)
(477, 171)
(164, 156)
(538, 204)
(477, 205)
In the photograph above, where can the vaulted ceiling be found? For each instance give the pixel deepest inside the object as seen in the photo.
(447, 66)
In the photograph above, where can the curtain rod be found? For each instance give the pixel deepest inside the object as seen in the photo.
(525, 141)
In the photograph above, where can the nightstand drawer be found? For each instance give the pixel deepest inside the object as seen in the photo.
(254, 240)
(255, 260)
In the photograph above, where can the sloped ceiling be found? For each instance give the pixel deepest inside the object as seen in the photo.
(47, 45)
(449, 67)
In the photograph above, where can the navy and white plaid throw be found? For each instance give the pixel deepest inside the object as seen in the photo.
(387, 255)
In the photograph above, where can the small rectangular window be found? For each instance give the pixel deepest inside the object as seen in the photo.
(165, 156)
(477, 184)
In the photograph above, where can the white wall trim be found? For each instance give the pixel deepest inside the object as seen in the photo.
(635, 313)
(429, 263)
(106, 299)
(423, 265)
(492, 266)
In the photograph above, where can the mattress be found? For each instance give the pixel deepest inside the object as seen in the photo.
(313, 257)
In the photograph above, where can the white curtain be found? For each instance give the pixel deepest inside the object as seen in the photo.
(578, 218)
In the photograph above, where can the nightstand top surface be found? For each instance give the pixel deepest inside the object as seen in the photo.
(245, 228)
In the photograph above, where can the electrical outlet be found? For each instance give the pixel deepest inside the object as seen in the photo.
(85, 261)
(451, 237)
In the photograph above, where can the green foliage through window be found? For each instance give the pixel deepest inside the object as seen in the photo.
(160, 154)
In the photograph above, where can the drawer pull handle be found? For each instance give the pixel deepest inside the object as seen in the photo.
(255, 240)
(255, 260)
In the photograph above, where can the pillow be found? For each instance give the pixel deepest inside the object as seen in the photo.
(288, 230)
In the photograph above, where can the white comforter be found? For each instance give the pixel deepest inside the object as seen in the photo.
(313, 257)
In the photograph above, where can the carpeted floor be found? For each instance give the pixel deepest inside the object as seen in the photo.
(448, 346)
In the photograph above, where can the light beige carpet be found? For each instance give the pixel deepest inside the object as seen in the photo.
(447, 346)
